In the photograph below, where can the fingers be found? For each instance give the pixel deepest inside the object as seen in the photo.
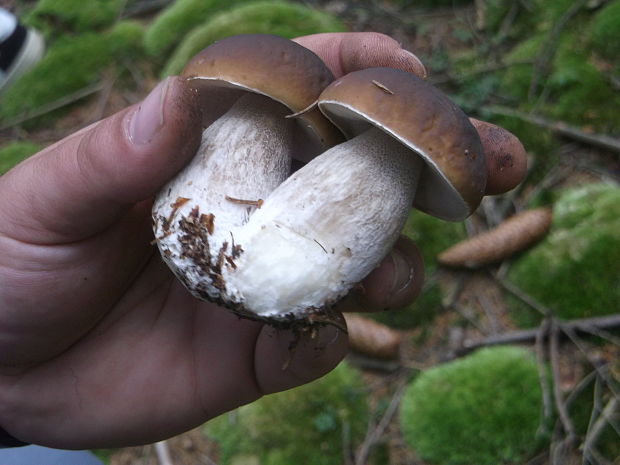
(344, 53)
(395, 283)
(285, 359)
(78, 186)
(506, 157)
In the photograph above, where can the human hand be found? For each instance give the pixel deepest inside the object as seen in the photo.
(99, 344)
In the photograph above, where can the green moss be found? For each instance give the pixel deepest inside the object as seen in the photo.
(604, 31)
(172, 24)
(496, 13)
(574, 270)
(575, 91)
(70, 65)
(14, 152)
(304, 425)
(580, 93)
(105, 455)
(517, 78)
(482, 409)
(534, 17)
(54, 17)
(268, 17)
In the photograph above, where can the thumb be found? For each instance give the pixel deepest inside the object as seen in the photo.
(80, 185)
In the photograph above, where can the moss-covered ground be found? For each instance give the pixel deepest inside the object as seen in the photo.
(575, 270)
(303, 425)
(71, 64)
(264, 17)
(482, 409)
(14, 152)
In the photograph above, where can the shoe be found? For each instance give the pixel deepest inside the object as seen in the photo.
(18, 54)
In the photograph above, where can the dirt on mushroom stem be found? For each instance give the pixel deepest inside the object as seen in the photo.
(245, 154)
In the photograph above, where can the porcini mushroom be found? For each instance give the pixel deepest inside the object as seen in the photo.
(254, 81)
(324, 228)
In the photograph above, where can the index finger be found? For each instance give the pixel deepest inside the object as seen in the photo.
(351, 51)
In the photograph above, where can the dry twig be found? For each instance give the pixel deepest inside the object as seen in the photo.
(163, 453)
(560, 405)
(563, 129)
(375, 434)
(586, 325)
(547, 410)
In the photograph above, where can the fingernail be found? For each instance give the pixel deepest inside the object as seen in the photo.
(148, 119)
(402, 273)
(417, 67)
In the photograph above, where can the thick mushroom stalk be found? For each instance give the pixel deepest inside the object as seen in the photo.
(242, 158)
(326, 227)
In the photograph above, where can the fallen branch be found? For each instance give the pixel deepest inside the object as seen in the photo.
(560, 405)
(582, 325)
(547, 410)
(564, 129)
(600, 369)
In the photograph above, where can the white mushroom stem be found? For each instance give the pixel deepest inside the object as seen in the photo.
(243, 156)
(326, 227)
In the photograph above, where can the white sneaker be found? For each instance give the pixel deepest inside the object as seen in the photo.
(18, 54)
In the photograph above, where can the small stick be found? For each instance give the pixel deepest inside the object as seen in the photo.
(554, 356)
(320, 245)
(592, 325)
(253, 203)
(570, 332)
(373, 436)
(382, 87)
(163, 453)
(541, 333)
(563, 129)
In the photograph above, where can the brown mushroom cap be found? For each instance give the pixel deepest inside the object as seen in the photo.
(414, 112)
(272, 66)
